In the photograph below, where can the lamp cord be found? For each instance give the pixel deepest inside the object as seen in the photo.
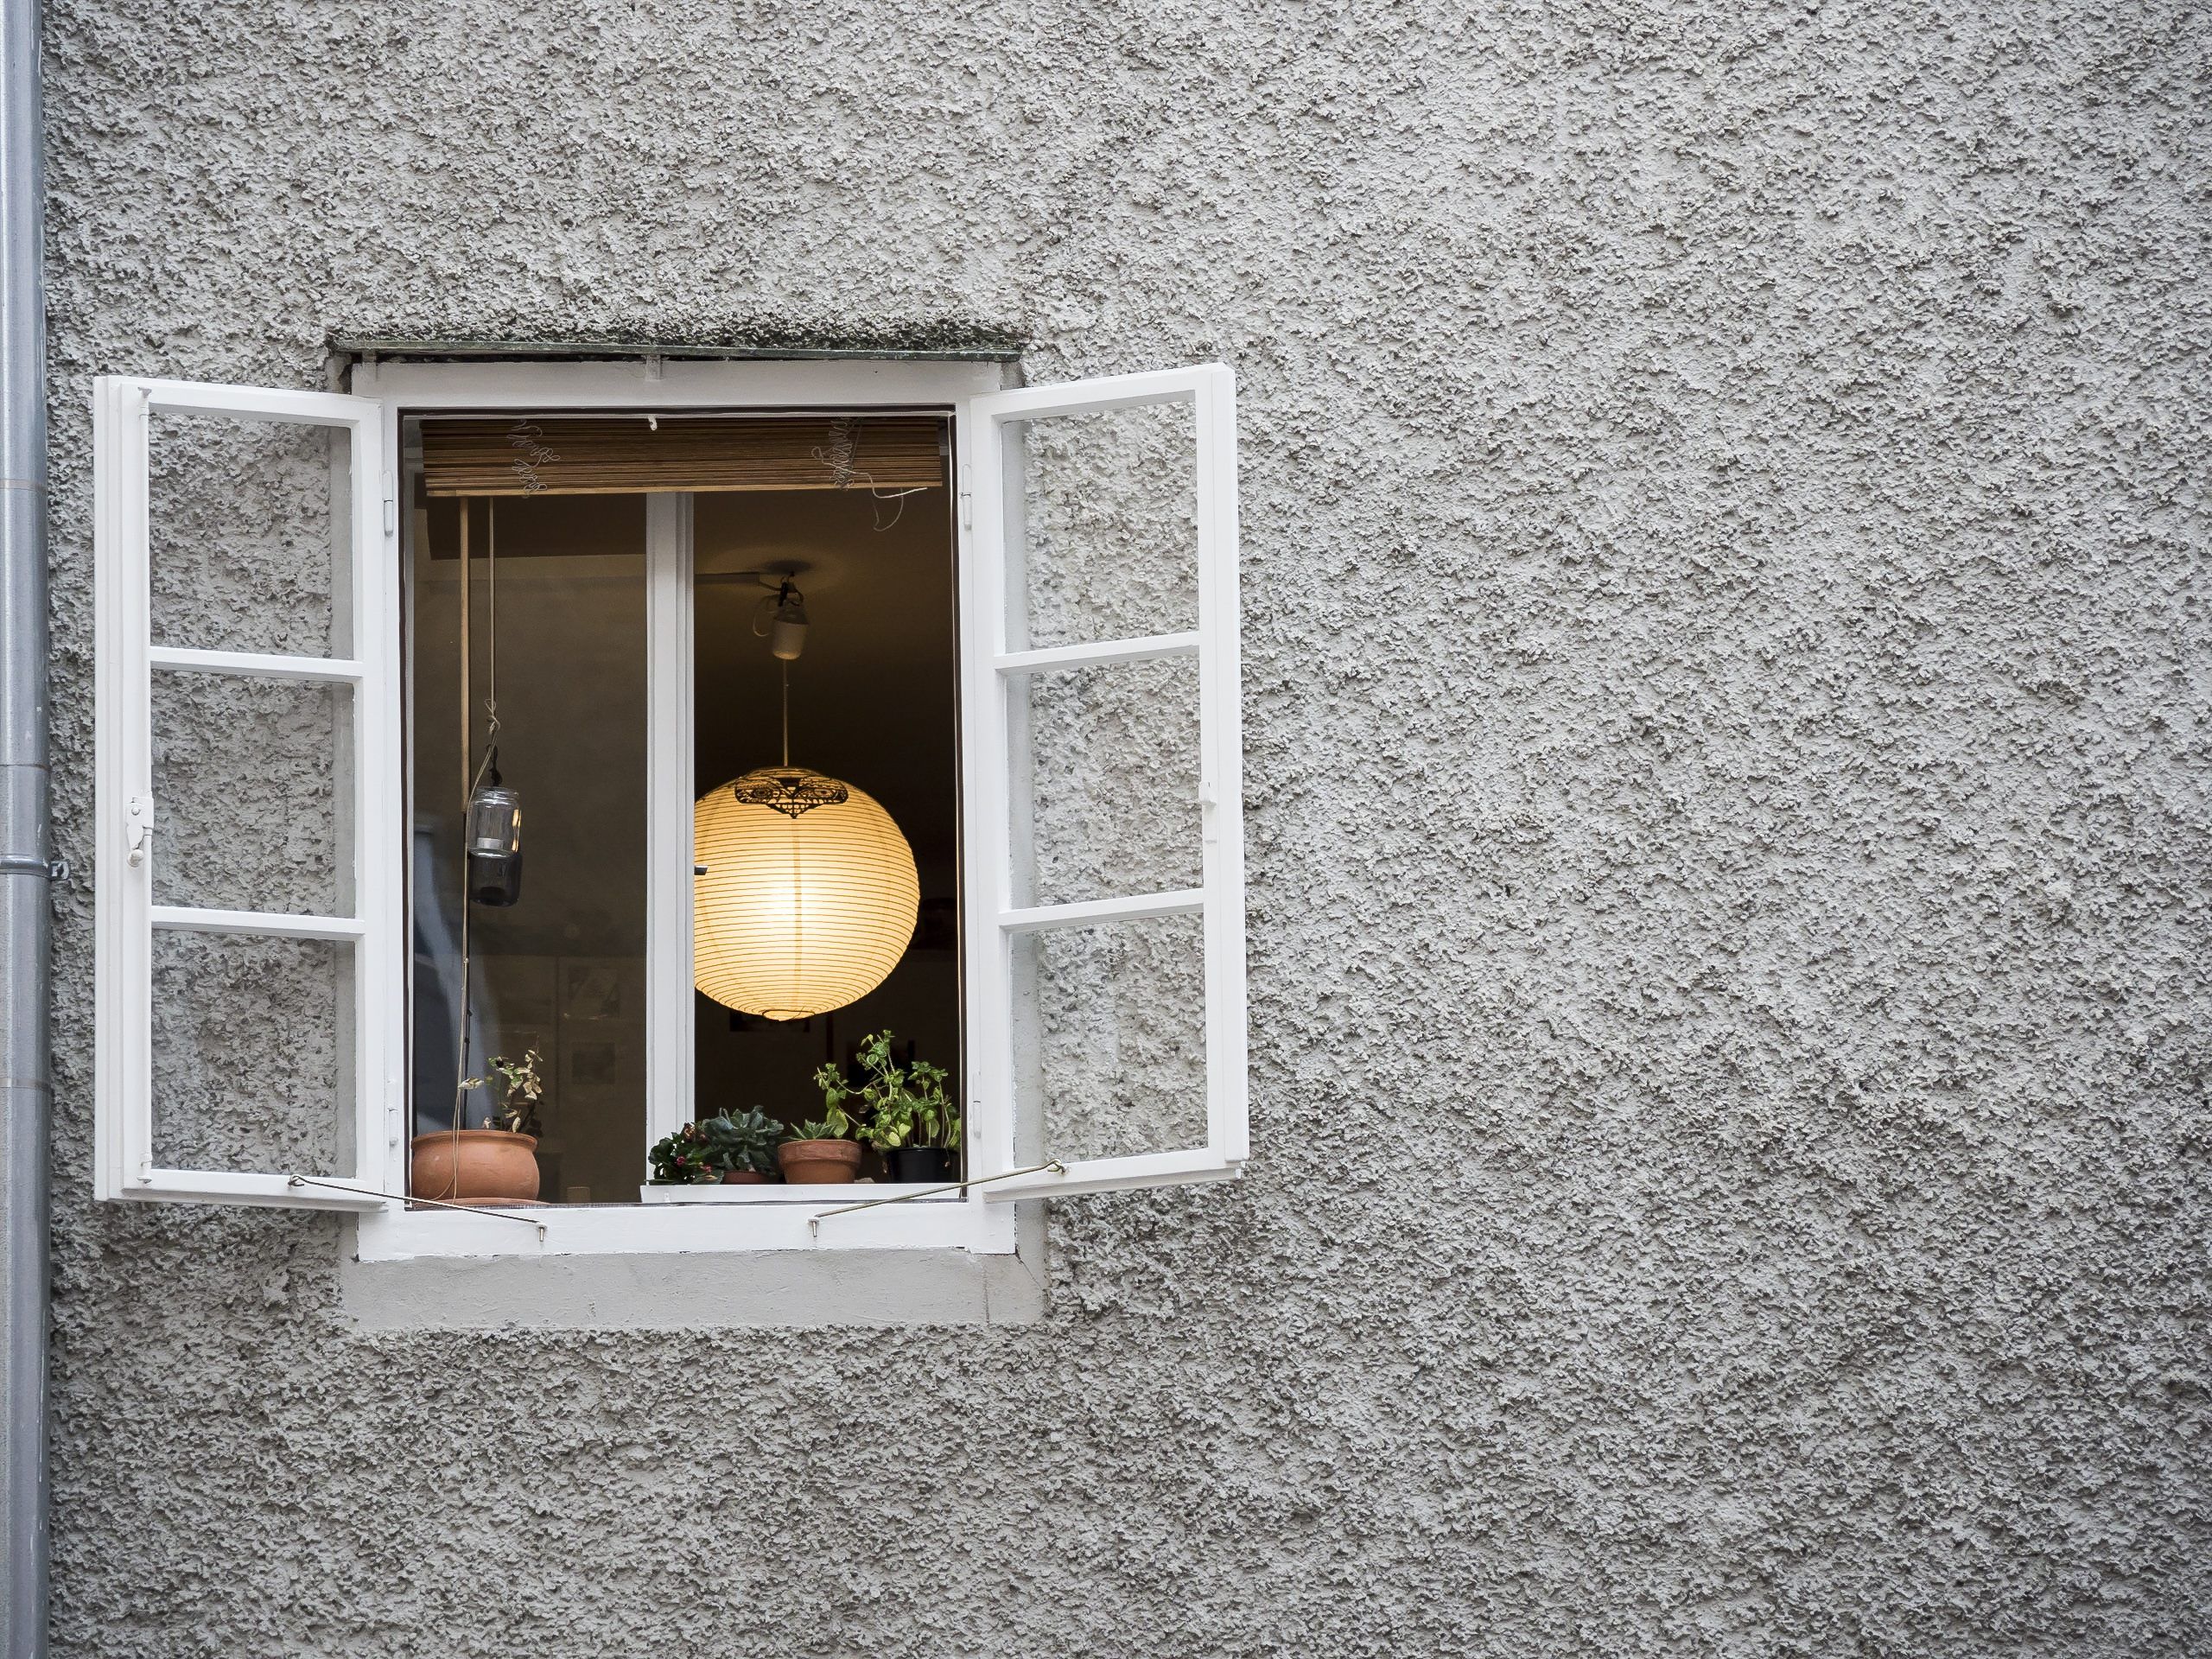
(786, 668)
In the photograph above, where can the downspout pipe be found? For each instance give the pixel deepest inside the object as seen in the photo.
(26, 914)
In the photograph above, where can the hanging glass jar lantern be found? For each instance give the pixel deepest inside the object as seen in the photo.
(494, 840)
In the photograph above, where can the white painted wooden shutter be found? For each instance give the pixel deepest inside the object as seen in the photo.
(358, 1031)
(1118, 584)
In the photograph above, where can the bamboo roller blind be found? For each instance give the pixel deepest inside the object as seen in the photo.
(602, 455)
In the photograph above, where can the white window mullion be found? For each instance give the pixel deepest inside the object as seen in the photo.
(671, 1039)
(1104, 652)
(260, 665)
(257, 924)
(1137, 907)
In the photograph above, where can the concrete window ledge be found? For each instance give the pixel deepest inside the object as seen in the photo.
(790, 1288)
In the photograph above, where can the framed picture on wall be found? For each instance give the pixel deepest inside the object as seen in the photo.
(603, 989)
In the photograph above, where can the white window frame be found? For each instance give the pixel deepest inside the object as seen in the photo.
(994, 657)
(694, 1219)
(364, 619)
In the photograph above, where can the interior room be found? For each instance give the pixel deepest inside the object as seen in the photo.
(823, 638)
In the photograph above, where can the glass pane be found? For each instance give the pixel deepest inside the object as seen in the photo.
(1110, 1038)
(872, 705)
(246, 780)
(1105, 541)
(561, 970)
(252, 1053)
(248, 528)
(1111, 780)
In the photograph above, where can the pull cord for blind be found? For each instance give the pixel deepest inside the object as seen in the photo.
(838, 454)
(462, 1080)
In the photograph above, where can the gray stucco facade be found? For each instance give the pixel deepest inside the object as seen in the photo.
(1725, 691)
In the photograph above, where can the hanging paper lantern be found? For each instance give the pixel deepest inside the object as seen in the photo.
(808, 897)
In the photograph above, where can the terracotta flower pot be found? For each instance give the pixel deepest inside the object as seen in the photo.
(742, 1178)
(492, 1163)
(816, 1163)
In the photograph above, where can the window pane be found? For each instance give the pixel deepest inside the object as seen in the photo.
(252, 1053)
(873, 699)
(247, 533)
(245, 808)
(1111, 781)
(562, 970)
(1105, 545)
(1110, 1038)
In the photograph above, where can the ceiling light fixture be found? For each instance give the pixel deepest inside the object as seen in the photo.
(805, 893)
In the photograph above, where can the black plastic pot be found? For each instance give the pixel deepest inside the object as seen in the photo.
(933, 1165)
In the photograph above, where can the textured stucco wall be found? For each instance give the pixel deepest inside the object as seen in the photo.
(1725, 691)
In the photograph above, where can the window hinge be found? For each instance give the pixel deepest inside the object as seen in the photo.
(390, 505)
(967, 503)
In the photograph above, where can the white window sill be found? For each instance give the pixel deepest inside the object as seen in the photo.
(789, 1219)
(826, 1196)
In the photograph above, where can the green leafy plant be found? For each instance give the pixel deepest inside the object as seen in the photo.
(744, 1140)
(832, 1126)
(683, 1158)
(520, 1091)
(892, 1105)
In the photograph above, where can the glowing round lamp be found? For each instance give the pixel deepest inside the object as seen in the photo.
(808, 897)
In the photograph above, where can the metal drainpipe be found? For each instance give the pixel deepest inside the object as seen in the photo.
(25, 913)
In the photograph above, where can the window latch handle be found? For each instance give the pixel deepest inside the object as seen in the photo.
(138, 832)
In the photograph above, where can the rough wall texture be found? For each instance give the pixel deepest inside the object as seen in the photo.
(1726, 696)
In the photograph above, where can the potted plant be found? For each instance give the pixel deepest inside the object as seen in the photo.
(743, 1148)
(498, 1163)
(902, 1110)
(821, 1151)
(683, 1158)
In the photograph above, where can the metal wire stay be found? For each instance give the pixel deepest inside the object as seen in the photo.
(814, 1221)
(435, 1204)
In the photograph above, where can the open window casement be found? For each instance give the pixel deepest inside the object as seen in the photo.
(1105, 846)
(249, 957)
